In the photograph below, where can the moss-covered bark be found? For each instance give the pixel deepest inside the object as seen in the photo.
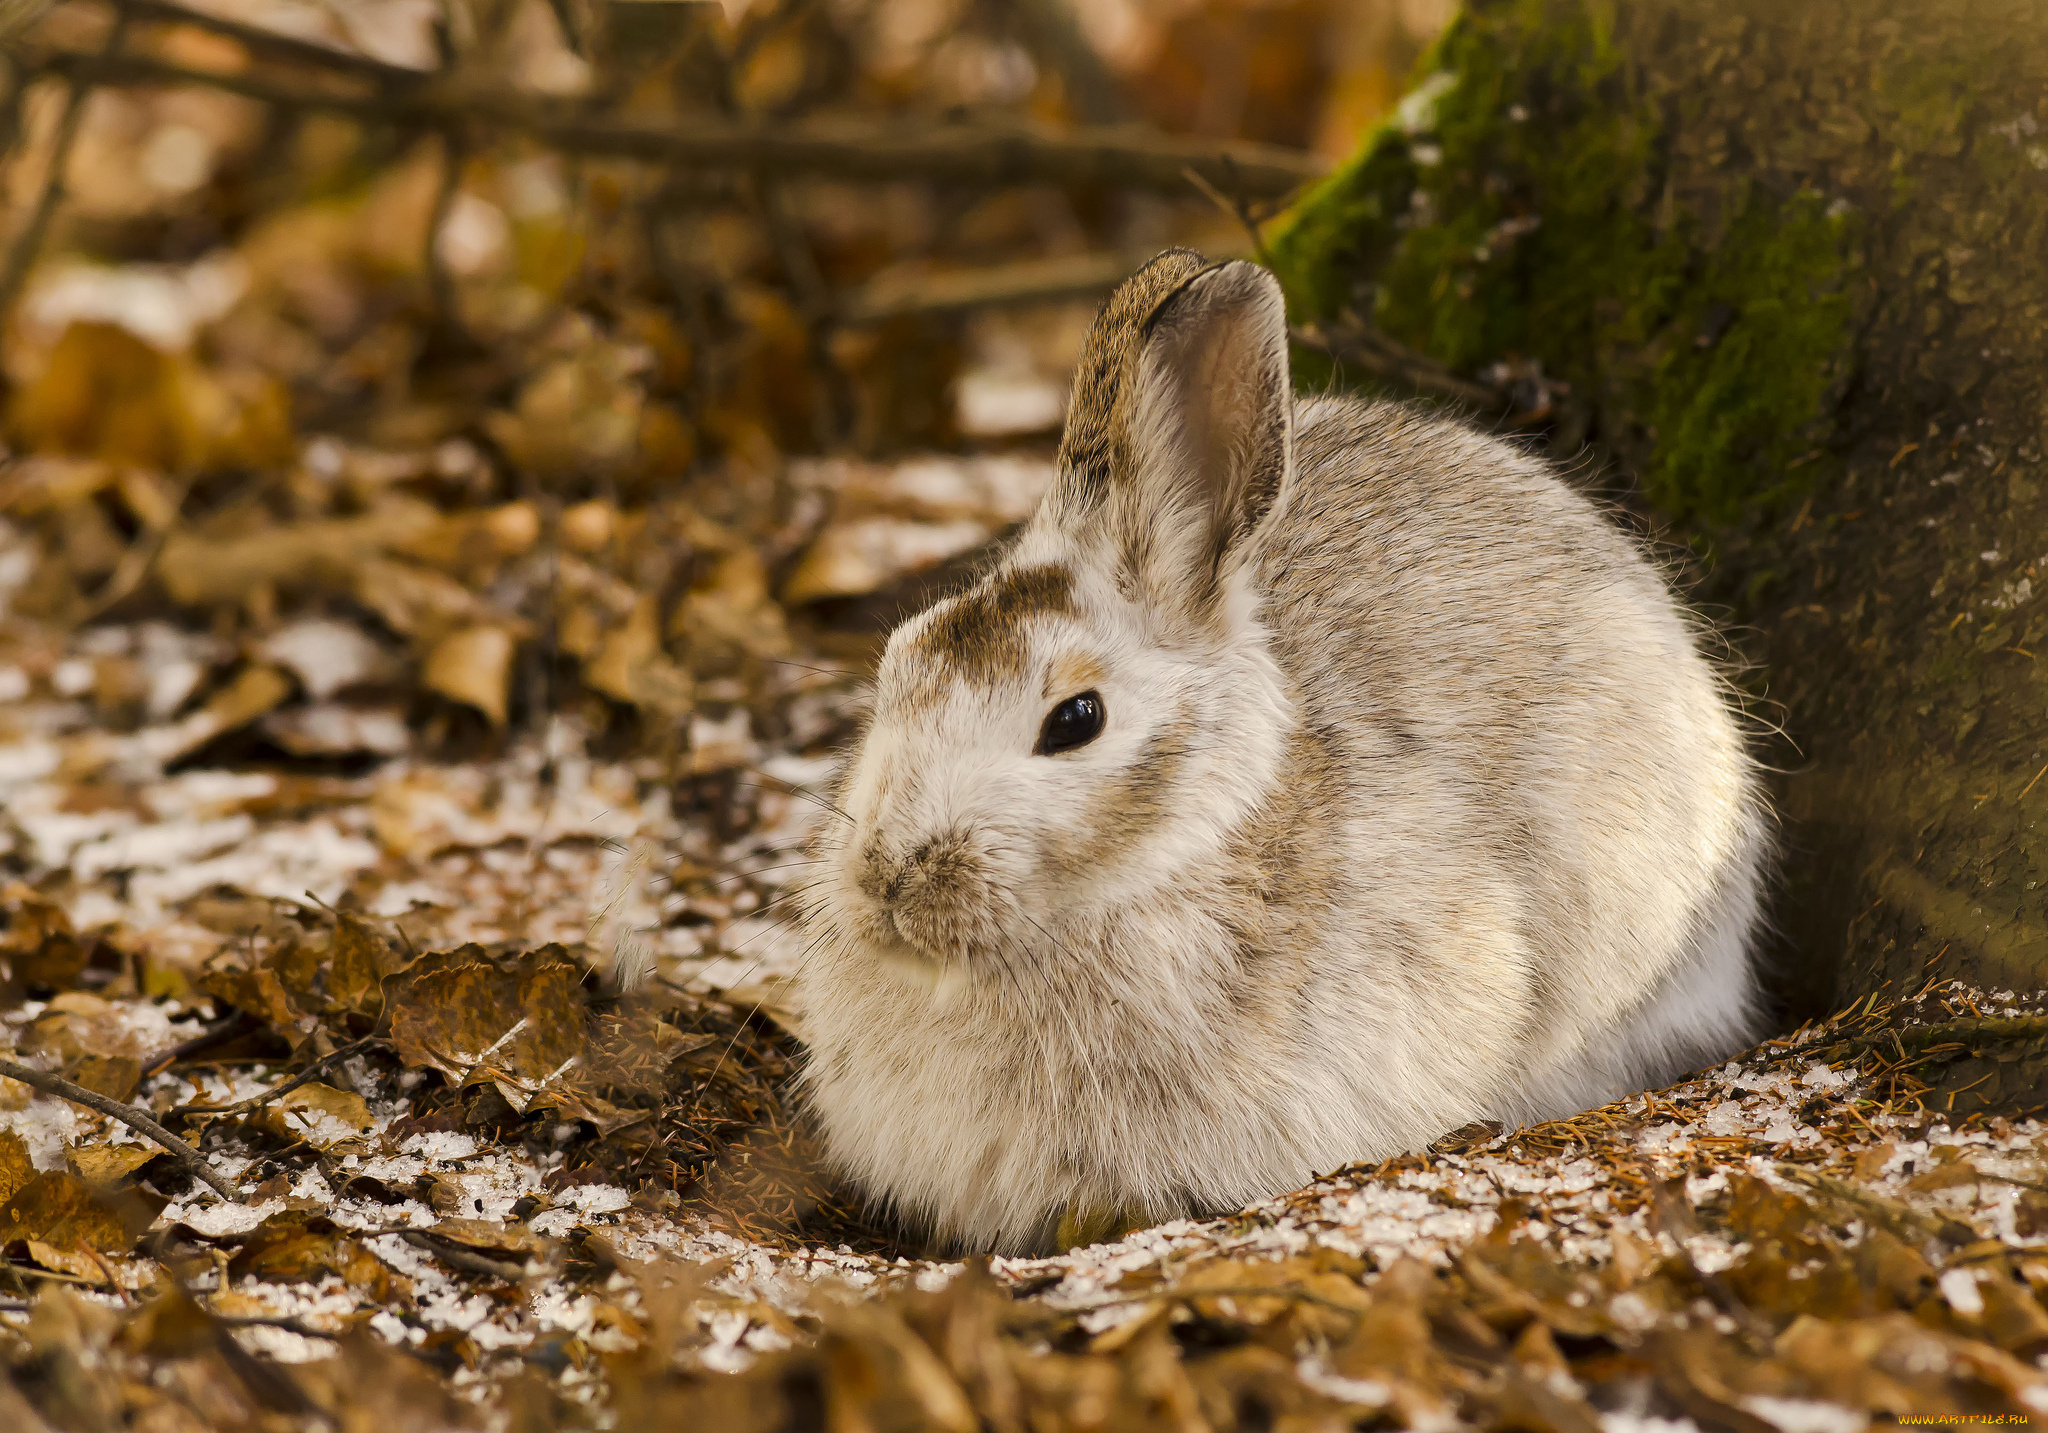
(1792, 258)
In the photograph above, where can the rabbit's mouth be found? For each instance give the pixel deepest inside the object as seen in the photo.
(936, 898)
(941, 932)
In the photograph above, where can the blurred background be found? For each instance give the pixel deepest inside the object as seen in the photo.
(397, 384)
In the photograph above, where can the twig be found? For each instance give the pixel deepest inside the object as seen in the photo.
(1383, 358)
(1238, 209)
(136, 1119)
(219, 1033)
(1927, 1039)
(273, 1321)
(1032, 281)
(30, 239)
(991, 153)
(1899, 1219)
(463, 1259)
(304, 1076)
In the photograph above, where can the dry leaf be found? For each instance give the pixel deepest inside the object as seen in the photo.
(255, 692)
(61, 1211)
(37, 947)
(518, 1021)
(286, 1250)
(473, 665)
(334, 1121)
(629, 666)
(114, 1076)
(325, 554)
(107, 1165)
(16, 1168)
(360, 959)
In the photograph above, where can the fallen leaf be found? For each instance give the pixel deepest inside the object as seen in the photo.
(472, 1017)
(256, 691)
(359, 961)
(286, 1250)
(61, 1211)
(106, 1165)
(38, 947)
(629, 666)
(418, 601)
(16, 1168)
(333, 1121)
(501, 1238)
(331, 553)
(473, 665)
(114, 1076)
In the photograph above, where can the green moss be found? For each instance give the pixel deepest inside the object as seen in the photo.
(1529, 217)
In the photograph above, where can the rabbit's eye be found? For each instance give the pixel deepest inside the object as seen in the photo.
(1074, 722)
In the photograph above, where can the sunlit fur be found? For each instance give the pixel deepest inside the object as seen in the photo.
(1422, 807)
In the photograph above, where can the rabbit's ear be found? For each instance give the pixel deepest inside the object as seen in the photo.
(1213, 424)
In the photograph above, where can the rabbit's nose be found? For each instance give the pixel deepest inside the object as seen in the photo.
(886, 878)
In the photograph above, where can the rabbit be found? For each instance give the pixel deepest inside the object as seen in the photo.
(1308, 777)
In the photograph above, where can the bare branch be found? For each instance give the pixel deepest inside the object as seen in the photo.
(1033, 281)
(136, 1119)
(989, 152)
(311, 1072)
(1385, 359)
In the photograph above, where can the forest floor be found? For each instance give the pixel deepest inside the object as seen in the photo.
(442, 537)
(576, 1207)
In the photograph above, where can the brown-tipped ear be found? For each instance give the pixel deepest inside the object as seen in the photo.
(1214, 411)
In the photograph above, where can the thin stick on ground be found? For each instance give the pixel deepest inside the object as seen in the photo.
(462, 1258)
(136, 1119)
(305, 1076)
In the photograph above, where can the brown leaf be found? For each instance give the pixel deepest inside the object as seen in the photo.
(629, 666)
(473, 665)
(1948, 1175)
(198, 571)
(61, 1210)
(286, 1250)
(418, 601)
(106, 1165)
(16, 1168)
(472, 1017)
(482, 1234)
(360, 959)
(170, 1326)
(114, 1076)
(38, 947)
(258, 991)
(334, 1121)
(78, 1023)
(473, 544)
(257, 691)
(105, 393)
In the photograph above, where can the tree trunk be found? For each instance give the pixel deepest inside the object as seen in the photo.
(1791, 256)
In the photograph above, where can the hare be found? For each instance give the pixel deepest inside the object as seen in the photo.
(1307, 778)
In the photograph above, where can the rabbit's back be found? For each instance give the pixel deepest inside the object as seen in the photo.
(1554, 827)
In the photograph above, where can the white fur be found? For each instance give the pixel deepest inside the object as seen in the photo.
(1528, 848)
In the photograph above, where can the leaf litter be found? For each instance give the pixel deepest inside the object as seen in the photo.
(430, 594)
